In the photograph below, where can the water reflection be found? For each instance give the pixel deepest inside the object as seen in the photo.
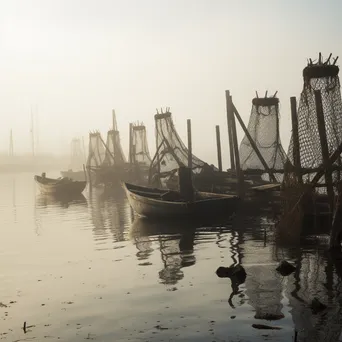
(110, 214)
(175, 242)
(105, 219)
(315, 277)
(45, 200)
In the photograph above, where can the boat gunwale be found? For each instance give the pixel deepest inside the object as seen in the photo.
(212, 199)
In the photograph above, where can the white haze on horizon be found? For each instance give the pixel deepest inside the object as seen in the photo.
(77, 60)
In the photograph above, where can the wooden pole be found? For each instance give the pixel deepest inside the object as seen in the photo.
(230, 133)
(189, 144)
(254, 146)
(295, 136)
(114, 136)
(335, 235)
(114, 120)
(218, 144)
(324, 146)
(106, 147)
(130, 159)
(239, 175)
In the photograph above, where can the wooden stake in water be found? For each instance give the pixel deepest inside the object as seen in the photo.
(230, 133)
(218, 144)
(189, 145)
(296, 146)
(324, 147)
(239, 175)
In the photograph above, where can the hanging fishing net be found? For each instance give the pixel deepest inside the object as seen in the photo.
(114, 153)
(171, 151)
(96, 150)
(77, 155)
(263, 127)
(321, 76)
(139, 150)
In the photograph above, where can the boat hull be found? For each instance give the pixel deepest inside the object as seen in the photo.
(74, 175)
(208, 205)
(59, 186)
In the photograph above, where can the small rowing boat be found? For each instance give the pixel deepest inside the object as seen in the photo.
(65, 186)
(159, 203)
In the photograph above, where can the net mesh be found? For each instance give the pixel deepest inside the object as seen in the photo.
(96, 150)
(114, 153)
(140, 153)
(171, 151)
(324, 77)
(263, 126)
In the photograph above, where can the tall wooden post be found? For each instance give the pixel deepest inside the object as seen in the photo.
(218, 144)
(295, 136)
(230, 133)
(324, 147)
(239, 175)
(130, 159)
(189, 145)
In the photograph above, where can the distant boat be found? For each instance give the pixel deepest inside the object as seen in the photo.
(158, 203)
(74, 175)
(65, 186)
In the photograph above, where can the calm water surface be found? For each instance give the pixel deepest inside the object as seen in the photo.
(86, 270)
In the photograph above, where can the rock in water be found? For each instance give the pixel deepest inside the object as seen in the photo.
(232, 271)
(317, 306)
(285, 268)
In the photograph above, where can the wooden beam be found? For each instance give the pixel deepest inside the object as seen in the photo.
(332, 159)
(230, 134)
(324, 147)
(254, 146)
(295, 137)
(189, 145)
(107, 149)
(239, 175)
(218, 144)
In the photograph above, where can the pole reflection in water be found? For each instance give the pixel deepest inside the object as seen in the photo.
(315, 278)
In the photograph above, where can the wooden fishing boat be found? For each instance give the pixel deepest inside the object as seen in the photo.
(74, 175)
(159, 203)
(59, 186)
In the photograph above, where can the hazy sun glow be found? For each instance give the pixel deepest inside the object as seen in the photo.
(76, 60)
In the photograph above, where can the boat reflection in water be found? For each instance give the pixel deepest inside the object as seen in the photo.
(175, 242)
(64, 201)
(110, 215)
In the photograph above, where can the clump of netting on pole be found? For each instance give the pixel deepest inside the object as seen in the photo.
(139, 152)
(263, 126)
(171, 152)
(319, 76)
(114, 153)
(96, 150)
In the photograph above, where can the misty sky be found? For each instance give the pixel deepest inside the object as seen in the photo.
(78, 59)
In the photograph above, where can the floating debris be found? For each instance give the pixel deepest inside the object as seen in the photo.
(159, 327)
(270, 316)
(231, 271)
(266, 327)
(285, 268)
